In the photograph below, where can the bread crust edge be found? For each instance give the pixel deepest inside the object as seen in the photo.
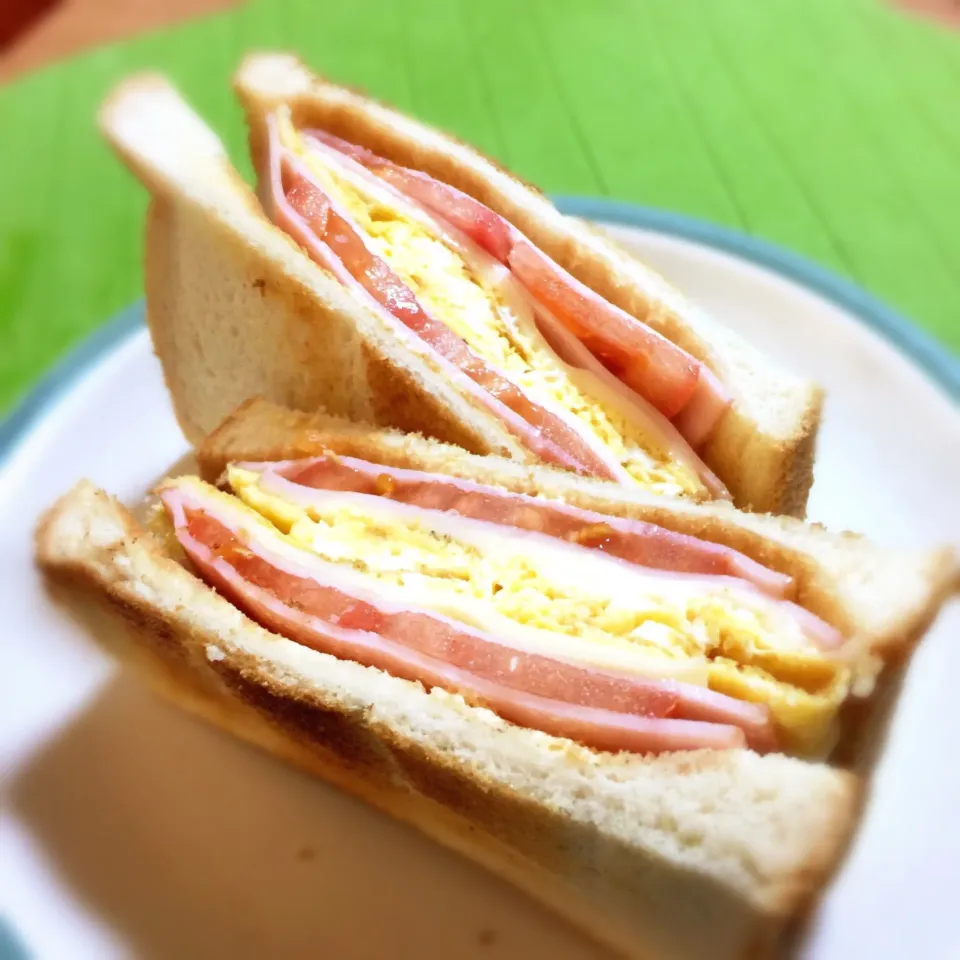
(522, 841)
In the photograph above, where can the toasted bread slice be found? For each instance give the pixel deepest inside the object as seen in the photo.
(884, 598)
(762, 449)
(699, 855)
(236, 308)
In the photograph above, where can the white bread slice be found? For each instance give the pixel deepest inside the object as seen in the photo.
(884, 598)
(702, 855)
(236, 308)
(762, 449)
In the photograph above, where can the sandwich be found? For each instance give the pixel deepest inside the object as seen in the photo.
(392, 275)
(624, 704)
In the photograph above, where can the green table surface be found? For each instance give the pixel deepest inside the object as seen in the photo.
(831, 127)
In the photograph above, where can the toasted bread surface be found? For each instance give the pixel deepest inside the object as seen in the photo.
(763, 447)
(706, 854)
(236, 308)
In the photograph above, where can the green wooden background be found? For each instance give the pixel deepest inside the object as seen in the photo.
(829, 126)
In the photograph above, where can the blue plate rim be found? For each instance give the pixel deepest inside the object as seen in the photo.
(912, 341)
(934, 360)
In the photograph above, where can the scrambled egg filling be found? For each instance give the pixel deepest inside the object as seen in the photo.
(738, 641)
(452, 292)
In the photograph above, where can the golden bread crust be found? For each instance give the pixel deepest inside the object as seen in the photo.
(772, 475)
(236, 308)
(766, 460)
(595, 867)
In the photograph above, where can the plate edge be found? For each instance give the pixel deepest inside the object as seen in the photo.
(66, 371)
(926, 352)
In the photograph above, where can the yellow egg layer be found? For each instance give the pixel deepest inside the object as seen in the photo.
(452, 292)
(739, 641)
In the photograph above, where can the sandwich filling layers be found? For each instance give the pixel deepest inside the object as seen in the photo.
(507, 348)
(645, 544)
(494, 611)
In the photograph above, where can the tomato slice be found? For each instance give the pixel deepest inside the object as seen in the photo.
(647, 362)
(487, 229)
(498, 663)
(604, 708)
(549, 437)
(644, 360)
(645, 544)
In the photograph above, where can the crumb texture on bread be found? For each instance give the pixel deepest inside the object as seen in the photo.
(763, 447)
(704, 854)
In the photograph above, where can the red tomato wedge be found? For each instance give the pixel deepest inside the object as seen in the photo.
(657, 369)
(644, 544)
(426, 635)
(335, 242)
(661, 433)
(610, 536)
(484, 227)
(602, 709)
(643, 359)
(307, 600)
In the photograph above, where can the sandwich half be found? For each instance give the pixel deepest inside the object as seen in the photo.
(603, 695)
(393, 275)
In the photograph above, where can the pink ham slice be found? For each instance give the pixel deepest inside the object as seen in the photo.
(703, 411)
(663, 436)
(644, 544)
(657, 369)
(600, 708)
(310, 216)
(643, 359)
(487, 229)
(654, 425)
(698, 416)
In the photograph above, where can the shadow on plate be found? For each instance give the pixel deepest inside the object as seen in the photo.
(179, 839)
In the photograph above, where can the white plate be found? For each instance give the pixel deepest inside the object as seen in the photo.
(129, 829)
